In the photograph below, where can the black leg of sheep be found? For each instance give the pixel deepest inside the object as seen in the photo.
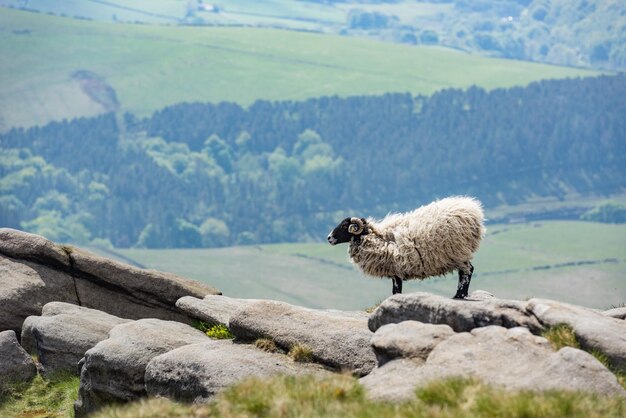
(465, 277)
(397, 285)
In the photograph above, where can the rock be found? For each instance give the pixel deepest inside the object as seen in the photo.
(25, 287)
(197, 372)
(213, 309)
(131, 292)
(461, 315)
(480, 295)
(617, 313)
(408, 339)
(593, 330)
(63, 334)
(510, 358)
(35, 271)
(24, 246)
(15, 363)
(113, 370)
(339, 340)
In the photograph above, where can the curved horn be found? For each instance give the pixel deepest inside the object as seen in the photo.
(356, 226)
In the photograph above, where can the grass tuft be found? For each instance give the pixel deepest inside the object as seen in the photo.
(301, 353)
(220, 332)
(443, 393)
(373, 307)
(266, 344)
(560, 336)
(40, 398)
(201, 325)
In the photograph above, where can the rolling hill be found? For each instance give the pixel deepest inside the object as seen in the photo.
(64, 68)
(576, 262)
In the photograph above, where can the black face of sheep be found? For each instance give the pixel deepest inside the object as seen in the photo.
(347, 230)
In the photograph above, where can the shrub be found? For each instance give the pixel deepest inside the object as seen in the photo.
(220, 332)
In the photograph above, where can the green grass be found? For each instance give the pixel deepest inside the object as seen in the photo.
(53, 398)
(560, 336)
(152, 66)
(509, 264)
(343, 396)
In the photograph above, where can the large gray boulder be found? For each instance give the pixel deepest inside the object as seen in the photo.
(25, 287)
(197, 372)
(15, 363)
(35, 271)
(461, 315)
(409, 339)
(593, 330)
(510, 358)
(64, 332)
(113, 370)
(336, 339)
(213, 309)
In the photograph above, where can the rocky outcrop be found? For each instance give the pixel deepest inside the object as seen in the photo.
(336, 339)
(113, 370)
(213, 309)
(26, 286)
(15, 363)
(64, 332)
(460, 315)
(197, 372)
(409, 339)
(510, 358)
(617, 313)
(35, 271)
(593, 330)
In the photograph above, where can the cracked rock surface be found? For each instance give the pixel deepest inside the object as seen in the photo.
(64, 332)
(35, 271)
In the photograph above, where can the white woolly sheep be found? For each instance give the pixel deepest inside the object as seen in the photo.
(429, 241)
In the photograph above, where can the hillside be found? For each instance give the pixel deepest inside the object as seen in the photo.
(577, 262)
(65, 68)
(583, 33)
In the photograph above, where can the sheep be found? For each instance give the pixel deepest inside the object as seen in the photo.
(431, 240)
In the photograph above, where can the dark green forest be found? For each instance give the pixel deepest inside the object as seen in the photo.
(204, 175)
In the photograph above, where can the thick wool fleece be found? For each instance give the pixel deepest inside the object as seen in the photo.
(430, 241)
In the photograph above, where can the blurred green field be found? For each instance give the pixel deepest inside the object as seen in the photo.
(152, 66)
(572, 261)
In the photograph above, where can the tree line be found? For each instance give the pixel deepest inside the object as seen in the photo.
(204, 175)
